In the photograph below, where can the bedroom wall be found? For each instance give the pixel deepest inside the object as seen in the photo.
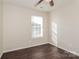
(0, 28)
(17, 31)
(64, 27)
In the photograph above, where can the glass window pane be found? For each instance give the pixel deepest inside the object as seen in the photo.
(37, 26)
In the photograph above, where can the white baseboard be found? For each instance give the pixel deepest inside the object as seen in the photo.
(42, 44)
(5, 51)
(75, 53)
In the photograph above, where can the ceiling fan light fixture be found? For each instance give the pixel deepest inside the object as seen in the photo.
(47, 0)
(51, 3)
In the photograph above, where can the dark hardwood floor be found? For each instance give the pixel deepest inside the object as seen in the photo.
(45, 51)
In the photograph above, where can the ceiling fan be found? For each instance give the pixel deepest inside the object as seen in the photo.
(48, 1)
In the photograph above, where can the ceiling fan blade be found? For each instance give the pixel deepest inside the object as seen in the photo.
(51, 3)
(39, 2)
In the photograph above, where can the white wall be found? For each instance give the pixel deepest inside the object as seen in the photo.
(67, 20)
(0, 28)
(17, 27)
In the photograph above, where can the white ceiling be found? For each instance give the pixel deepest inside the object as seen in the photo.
(31, 4)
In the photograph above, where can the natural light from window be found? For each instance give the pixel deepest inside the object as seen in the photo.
(54, 33)
(37, 26)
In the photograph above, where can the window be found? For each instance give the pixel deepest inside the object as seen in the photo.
(37, 26)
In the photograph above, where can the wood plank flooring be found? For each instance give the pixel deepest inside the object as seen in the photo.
(45, 51)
